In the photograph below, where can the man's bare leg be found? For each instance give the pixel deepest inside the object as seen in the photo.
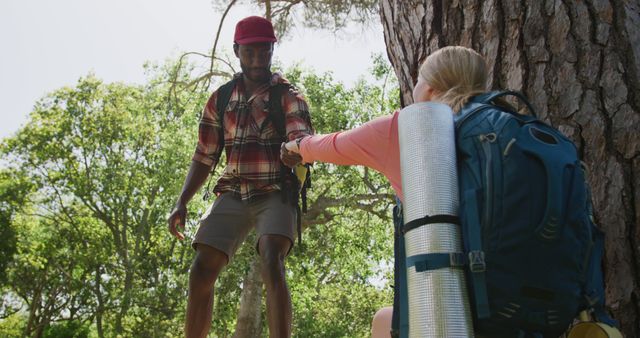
(273, 249)
(203, 274)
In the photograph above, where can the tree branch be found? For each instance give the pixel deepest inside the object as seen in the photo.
(215, 43)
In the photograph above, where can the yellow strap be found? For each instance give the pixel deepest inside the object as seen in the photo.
(584, 316)
(301, 173)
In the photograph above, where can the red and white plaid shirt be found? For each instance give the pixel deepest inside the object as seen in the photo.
(251, 142)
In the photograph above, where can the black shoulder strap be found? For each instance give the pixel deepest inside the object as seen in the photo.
(224, 95)
(276, 115)
(222, 101)
(278, 118)
(275, 103)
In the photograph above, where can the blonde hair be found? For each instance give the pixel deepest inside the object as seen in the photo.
(456, 74)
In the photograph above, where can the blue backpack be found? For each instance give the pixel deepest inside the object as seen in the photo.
(532, 252)
(527, 223)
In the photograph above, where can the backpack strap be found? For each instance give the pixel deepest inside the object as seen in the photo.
(430, 219)
(489, 97)
(477, 265)
(594, 296)
(596, 282)
(435, 261)
(222, 101)
(400, 315)
(484, 101)
(224, 95)
(276, 115)
(290, 184)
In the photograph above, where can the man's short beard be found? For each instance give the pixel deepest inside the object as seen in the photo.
(247, 73)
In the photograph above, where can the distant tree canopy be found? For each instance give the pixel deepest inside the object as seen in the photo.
(13, 192)
(332, 15)
(102, 159)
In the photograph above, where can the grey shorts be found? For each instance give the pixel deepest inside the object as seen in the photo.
(227, 222)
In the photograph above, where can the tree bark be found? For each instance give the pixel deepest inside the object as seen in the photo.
(127, 291)
(579, 63)
(99, 302)
(249, 323)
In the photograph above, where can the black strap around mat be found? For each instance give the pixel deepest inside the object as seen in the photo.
(430, 220)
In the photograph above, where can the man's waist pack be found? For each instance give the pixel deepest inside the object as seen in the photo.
(527, 225)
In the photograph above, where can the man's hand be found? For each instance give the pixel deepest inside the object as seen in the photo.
(289, 158)
(177, 219)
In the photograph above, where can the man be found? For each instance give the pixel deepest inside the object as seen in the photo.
(249, 191)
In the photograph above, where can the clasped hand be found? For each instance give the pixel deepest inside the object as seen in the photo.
(288, 157)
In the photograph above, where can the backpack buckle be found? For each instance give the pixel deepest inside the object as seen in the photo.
(456, 260)
(592, 298)
(476, 261)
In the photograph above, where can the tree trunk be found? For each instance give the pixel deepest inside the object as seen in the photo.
(127, 296)
(579, 63)
(32, 320)
(249, 323)
(99, 302)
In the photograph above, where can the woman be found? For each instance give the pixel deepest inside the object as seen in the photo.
(451, 75)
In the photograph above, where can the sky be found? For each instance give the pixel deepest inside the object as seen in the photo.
(45, 44)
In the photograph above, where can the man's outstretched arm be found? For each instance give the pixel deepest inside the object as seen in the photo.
(198, 173)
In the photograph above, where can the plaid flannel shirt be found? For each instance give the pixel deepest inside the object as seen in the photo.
(251, 142)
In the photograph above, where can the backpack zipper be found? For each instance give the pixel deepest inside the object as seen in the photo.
(485, 141)
(507, 149)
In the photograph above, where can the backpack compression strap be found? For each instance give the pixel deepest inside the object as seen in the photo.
(416, 223)
(477, 265)
(434, 261)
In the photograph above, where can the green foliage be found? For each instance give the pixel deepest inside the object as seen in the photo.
(70, 329)
(107, 160)
(89, 183)
(12, 326)
(13, 191)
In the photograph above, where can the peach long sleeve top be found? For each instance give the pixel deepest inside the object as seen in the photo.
(373, 144)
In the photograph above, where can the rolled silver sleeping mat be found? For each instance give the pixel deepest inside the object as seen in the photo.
(438, 301)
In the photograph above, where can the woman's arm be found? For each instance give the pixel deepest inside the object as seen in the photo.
(365, 145)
